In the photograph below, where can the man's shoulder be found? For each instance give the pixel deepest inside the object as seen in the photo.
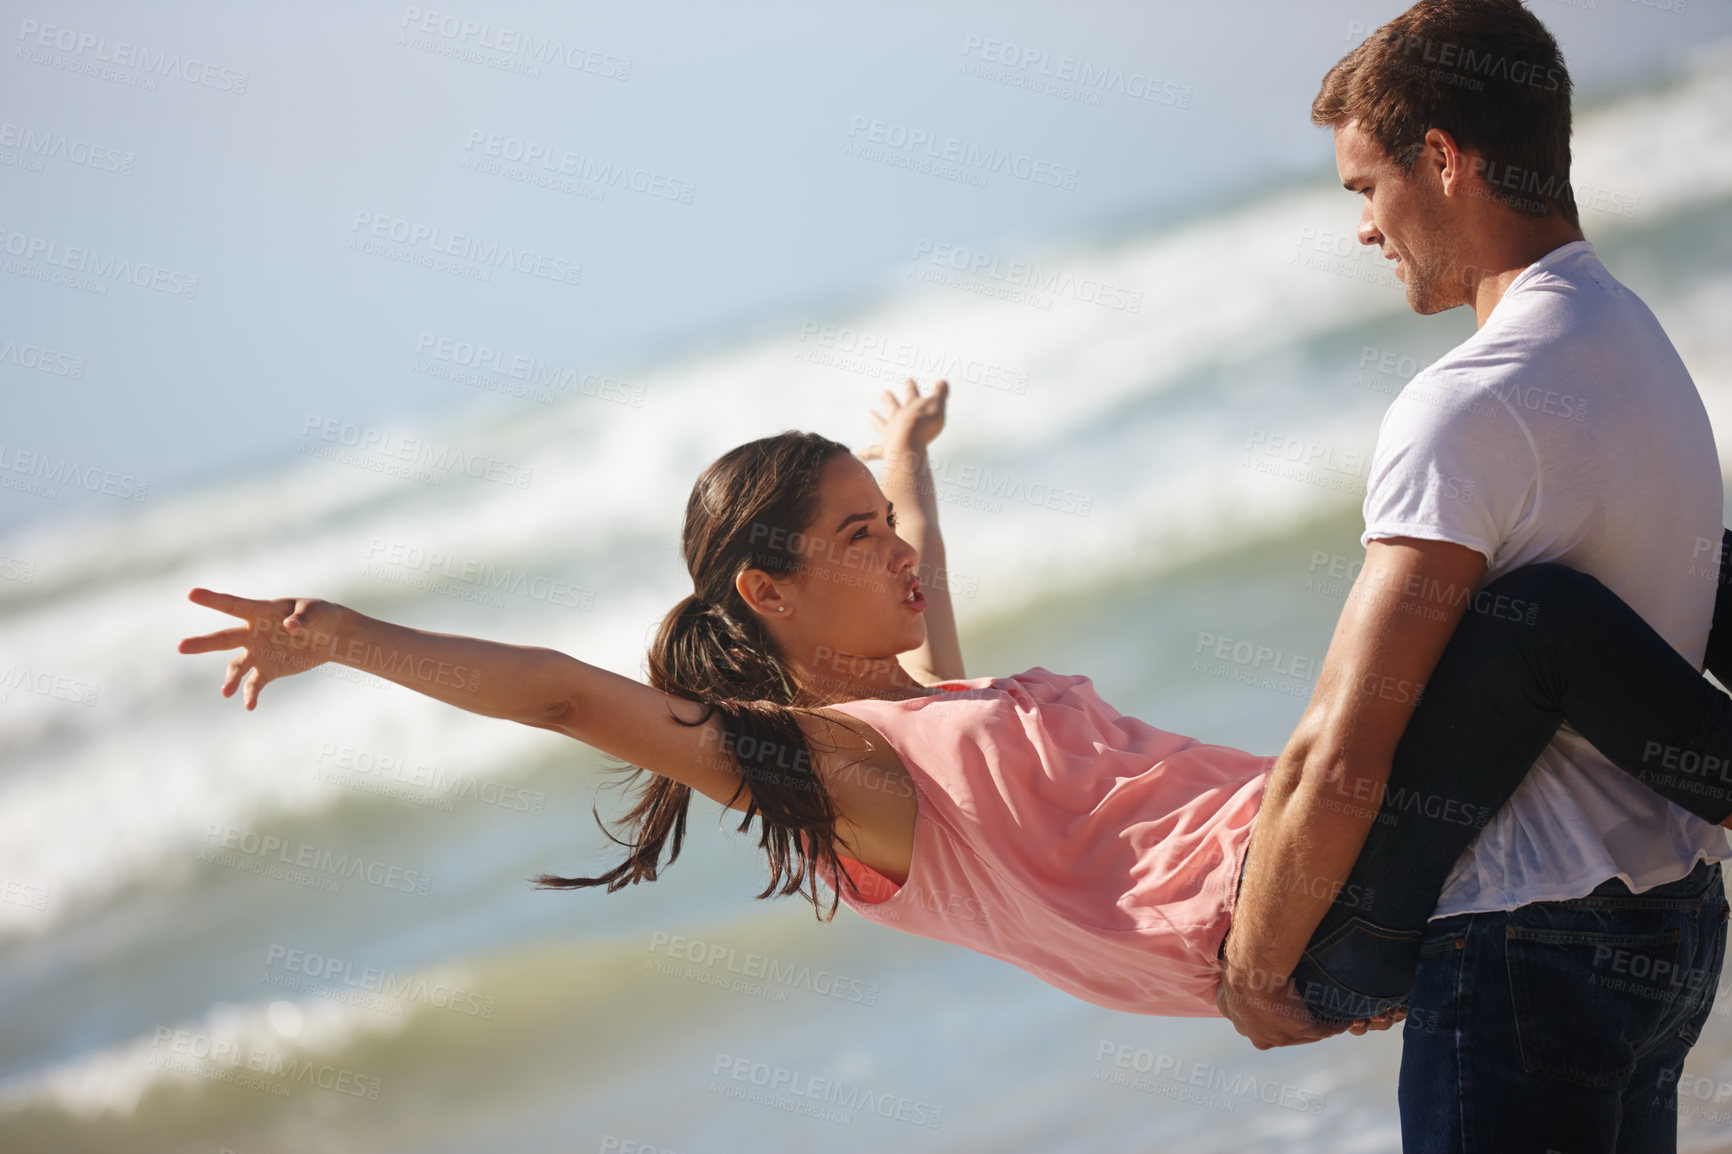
(1456, 391)
(1567, 340)
(1566, 304)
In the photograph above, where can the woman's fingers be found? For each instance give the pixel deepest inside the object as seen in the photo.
(228, 603)
(254, 683)
(1381, 1022)
(282, 636)
(912, 414)
(237, 666)
(221, 639)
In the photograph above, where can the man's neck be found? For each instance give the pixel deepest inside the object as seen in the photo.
(1502, 262)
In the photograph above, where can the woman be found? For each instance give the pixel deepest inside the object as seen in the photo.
(813, 683)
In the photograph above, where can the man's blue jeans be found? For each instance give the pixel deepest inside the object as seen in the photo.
(1561, 1026)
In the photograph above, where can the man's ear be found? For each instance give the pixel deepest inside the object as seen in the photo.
(1454, 167)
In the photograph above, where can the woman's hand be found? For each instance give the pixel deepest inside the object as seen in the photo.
(909, 423)
(1381, 1022)
(288, 635)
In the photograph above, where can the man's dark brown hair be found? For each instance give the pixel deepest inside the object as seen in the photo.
(1485, 71)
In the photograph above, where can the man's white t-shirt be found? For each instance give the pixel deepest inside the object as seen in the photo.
(1566, 429)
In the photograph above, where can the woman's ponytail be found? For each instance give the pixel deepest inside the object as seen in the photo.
(711, 649)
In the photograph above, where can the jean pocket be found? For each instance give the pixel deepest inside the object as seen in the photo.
(1585, 1003)
(1711, 953)
(1368, 959)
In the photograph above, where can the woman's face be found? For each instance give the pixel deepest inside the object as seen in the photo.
(852, 598)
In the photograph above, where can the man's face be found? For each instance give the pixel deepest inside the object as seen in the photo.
(1404, 217)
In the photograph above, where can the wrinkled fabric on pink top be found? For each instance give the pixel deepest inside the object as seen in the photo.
(1091, 849)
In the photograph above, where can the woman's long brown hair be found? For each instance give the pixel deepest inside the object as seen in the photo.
(749, 510)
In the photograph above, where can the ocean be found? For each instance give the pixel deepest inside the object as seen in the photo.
(309, 927)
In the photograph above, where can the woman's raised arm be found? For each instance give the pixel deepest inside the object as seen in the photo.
(907, 428)
(527, 684)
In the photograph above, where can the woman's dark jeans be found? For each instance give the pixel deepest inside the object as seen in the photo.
(1539, 646)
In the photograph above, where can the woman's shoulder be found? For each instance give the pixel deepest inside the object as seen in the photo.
(1029, 678)
(1037, 683)
(1029, 689)
(964, 704)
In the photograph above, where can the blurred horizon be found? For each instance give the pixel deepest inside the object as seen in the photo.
(465, 328)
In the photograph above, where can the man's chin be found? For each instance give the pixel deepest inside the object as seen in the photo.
(1424, 302)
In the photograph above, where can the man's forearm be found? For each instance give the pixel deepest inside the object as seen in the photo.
(1329, 783)
(1317, 812)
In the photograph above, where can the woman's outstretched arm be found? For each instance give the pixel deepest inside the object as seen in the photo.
(527, 684)
(907, 428)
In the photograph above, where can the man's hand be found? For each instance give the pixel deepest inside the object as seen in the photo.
(1270, 1013)
(1278, 1016)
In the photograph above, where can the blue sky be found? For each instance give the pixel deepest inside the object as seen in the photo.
(769, 143)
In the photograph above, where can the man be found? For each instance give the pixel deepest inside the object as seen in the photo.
(1565, 429)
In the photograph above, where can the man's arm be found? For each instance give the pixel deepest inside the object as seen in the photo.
(1324, 792)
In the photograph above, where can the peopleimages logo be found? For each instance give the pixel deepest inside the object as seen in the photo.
(100, 268)
(226, 1058)
(47, 471)
(762, 967)
(49, 145)
(1218, 1087)
(447, 357)
(580, 166)
(314, 858)
(1021, 274)
(393, 448)
(840, 347)
(1072, 76)
(41, 360)
(799, 1092)
(973, 160)
(527, 46)
(86, 46)
(324, 975)
(419, 239)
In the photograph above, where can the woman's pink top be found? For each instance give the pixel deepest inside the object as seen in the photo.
(1093, 850)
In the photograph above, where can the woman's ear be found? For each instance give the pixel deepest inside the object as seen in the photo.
(763, 594)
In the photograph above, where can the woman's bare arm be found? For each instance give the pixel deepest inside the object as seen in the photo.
(526, 684)
(908, 428)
